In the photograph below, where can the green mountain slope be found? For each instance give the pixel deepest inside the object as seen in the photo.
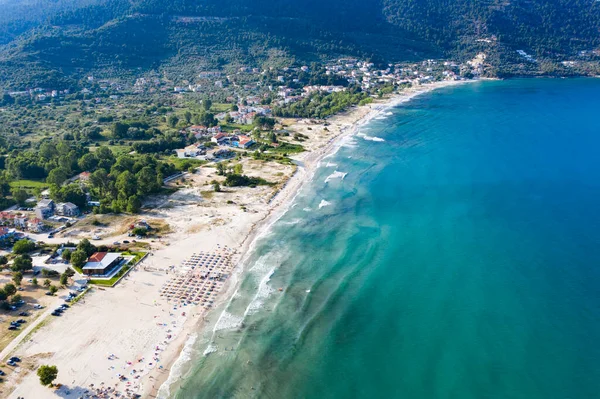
(180, 36)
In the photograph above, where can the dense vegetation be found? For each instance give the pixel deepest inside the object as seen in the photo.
(320, 105)
(71, 38)
(119, 183)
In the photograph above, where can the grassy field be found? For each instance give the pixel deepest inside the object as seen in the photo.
(220, 107)
(184, 163)
(28, 184)
(230, 127)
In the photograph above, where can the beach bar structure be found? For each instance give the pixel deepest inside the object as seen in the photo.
(100, 263)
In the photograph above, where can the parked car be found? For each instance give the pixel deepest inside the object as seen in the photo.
(2, 372)
(14, 359)
(38, 306)
(21, 321)
(125, 241)
(12, 364)
(13, 328)
(55, 313)
(24, 314)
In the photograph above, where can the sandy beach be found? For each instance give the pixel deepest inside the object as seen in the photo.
(128, 338)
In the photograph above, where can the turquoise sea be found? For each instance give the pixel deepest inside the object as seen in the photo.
(458, 258)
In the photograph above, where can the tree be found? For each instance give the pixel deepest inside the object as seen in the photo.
(20, 195)
(64, 279)
(47, 283)
(264, 122)
(221, 169)
(216, 186)
(272, 138)
(78, 258)
(88, 162)
(66, 255)
(10, 289)
(22, 263)
(3, 295)
(126, 184)
(52, 289)
(3, 260)
(134, 204)
(17, 278)
(238, 169)
(34, 281)
(172, 120)
(187, 116)
(47, 374)
(119, 130)
(206, 104)
(57, 176)
(16, 299)
(23, 246)
(86, 246)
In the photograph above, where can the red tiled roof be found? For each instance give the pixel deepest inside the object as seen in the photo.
(97, 257)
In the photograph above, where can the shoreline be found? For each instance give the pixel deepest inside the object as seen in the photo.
(279, 204)
(115, 332)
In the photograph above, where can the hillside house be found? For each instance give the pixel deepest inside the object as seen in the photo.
(67, 209)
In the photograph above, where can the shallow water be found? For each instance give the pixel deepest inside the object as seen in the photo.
(457, 257)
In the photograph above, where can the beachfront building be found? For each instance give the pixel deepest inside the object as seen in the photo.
(102, 263)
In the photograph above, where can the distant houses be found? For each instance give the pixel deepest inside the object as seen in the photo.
(67, 209)
(21, 222)
(46, 208)
(191, 151)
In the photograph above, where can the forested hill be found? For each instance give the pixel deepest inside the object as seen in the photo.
(60, 40)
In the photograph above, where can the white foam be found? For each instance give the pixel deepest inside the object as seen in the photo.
(177, 368)
(292, 222)
(324, 203)
(262, 294)
(211, 348)
(331, 165)
(228, 321)
(336, 175)
(307, 209)
(370, 138)
(348, 142)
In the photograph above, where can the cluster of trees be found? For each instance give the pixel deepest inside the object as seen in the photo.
(56, 160)
(134, 130)
(8, 294)
(79, 257)
(118, 182)
(320, 105)
(122, 186)
(167, 142)
(237, 180)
